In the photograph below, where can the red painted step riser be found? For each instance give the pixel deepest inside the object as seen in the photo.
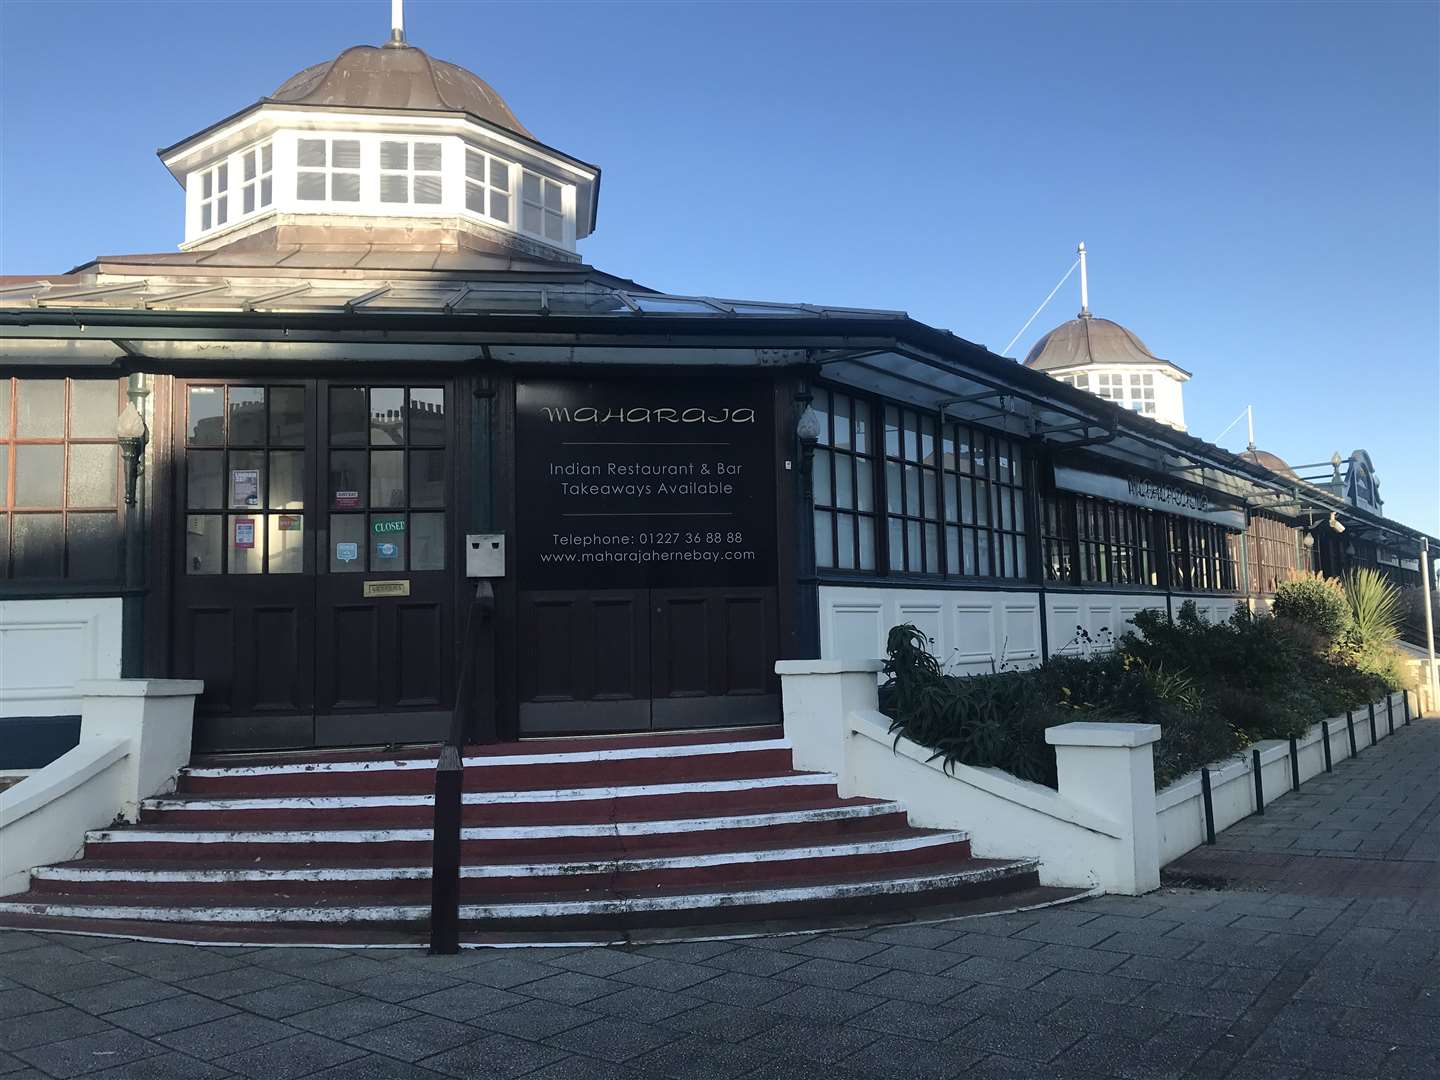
(563, 886)
(848, 907)
(576, 744)
(635, 808)
(724, 766)
(392, 852)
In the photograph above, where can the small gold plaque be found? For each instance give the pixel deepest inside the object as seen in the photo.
(387, 588)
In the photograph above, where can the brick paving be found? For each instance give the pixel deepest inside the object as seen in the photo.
(1334, 973)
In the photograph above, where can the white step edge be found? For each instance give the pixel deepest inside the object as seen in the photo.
(489, 798)
(147, 835)
(200, 875)
(541, 909)
(565, 757)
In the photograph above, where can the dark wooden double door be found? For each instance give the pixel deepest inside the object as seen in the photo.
(642, 659)
(314, 584)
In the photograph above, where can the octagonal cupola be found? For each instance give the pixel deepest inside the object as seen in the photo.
(1111, 361)
(383, 145)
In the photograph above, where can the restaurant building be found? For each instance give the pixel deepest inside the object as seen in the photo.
(377, 430)
(257, 460)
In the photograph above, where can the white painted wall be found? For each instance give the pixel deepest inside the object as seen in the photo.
(974, 631)
(134, 738)
(47, 646)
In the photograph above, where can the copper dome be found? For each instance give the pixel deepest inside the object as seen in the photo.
(397, 77)
(1088, 340)
(1267, 460)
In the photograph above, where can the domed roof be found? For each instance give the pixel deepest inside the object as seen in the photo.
(1267, 460)
(1088, 340)
(397, 77)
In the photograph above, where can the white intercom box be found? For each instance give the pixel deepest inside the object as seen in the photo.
(485, 555)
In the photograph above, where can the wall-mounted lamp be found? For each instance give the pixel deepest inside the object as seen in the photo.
(1335, 523)
(130, 432)
(1308, 540)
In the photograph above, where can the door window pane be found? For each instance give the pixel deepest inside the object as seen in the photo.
(205, 424)
(247, 416)
(4, 407)
(40, 409)
(205, 479)
(4, 475)
(38, 550)
(247, 543)
(93, 479)
(287, 479)
(287, 416)
(93, 409)
(202, 543)
(247, 478)
(348, 416)
(94, 546)
(428, 545)
(285, 543)
(427, 477)
(39, 475)
(348, 483)
(347, 543)
(427, 416)
(387, 416)
(4, 546)
(387, 479)
(387, 542)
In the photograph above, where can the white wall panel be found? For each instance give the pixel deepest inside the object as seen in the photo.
(47, 645)
(1105, 616)
(973, 631)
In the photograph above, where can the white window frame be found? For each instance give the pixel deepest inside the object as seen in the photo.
(257, 190)
(215, 196)
(491, 168)
(409, 172)
(546, 212)
(329, 170)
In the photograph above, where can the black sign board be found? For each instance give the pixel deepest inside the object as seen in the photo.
(645, 483)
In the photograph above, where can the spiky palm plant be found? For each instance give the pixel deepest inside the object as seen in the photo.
(1376, 607)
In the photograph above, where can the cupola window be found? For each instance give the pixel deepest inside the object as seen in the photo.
(214, 196)
(487, 185)
(542, 207)
(410, 172)
(329, 169)
(256, 165)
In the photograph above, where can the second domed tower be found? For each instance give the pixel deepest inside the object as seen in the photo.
(1111, 361)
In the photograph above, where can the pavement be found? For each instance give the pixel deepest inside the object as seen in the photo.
(1320, 957)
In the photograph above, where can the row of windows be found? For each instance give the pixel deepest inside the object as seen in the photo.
(59, 479)
(935, 497)
(951, 498)
(1276, 553)
(1090, 541)
(257, 166)
(331, 169)
(1136, 392)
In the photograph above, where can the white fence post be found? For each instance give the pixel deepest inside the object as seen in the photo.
(817, 696)
(1109, 768)
(155, 716)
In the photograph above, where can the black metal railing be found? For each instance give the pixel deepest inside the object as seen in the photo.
(477, 666)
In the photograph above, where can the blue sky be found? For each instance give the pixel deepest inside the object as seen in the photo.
(1256, 183)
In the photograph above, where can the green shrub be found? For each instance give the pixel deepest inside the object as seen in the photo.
(1314, 601)
(1213, 688)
